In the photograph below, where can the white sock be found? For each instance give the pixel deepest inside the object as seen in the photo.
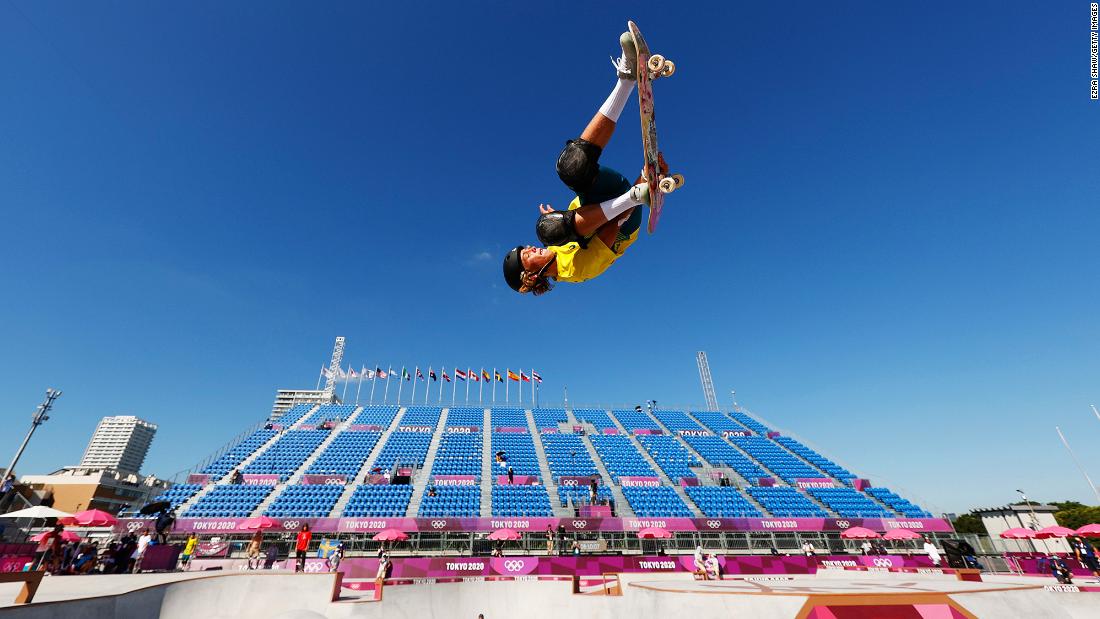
(617, 206)
(616, 101)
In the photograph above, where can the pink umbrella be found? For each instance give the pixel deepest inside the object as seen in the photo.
(260, 522)
(900, 534)
(505, 535)
(1089, 530)
(1054, 531)
(390, 535)
(67, 536)
(859, 533)
(654, 533)
(1018, 533)
(90, 518)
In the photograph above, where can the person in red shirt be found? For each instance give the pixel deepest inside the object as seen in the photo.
(304, 537)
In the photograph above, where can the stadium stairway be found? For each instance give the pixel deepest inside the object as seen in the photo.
(361, 476)
(735, 478)
(800, 457)
(421, 477)
(487, 464)
(676, 487)
(622, 506)
(548, 481)
(703, 472)
(189, 503)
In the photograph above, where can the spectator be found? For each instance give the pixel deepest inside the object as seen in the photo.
(593, 490)
(253, 551)
(86, 559)
(236, 478)
(549, 540)
(808, 549)
(511, 475)
(6, 487)
(139, 551)
(932, 552)
(865, 548)
(385, 568)
(164, 524)
(1060, 571)
(576, 549)
(700, 563)
(431, 490)
(302, 546)
(42, 551)
(189, 550)
(336, 557)
(1085, 554)
(774, 551)
(713, 568)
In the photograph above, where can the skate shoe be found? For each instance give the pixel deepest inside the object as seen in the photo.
(627, 65)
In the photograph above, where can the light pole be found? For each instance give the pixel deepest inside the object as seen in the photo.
(40, 416)
(1096, 412)
(733, 396)
(1034, 519)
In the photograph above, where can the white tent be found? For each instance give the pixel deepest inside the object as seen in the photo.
(38, 511)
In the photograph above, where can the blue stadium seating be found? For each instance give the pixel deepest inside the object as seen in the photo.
(775, 458)
(786, 502)
(598, 418)
(519, 451)
(459, 454)
(421, 416)
(176, 495)
(634, 420)
(670, 455)
(717, 421)
(567, 455)
(722, 502)
(849, 503)
(295, 413)
(379, 501)
(549, 417)
(718, 452)
(229, 501)
(238, 453)
(580, 495)
(816, 459)
(898, 504)
(376, 415)
(465, 416)
(404, 448)
(659, 502)
(676, 420)
(750, 423)
(451, 501)
(329, 412)
(509, 418)
(346, 454)
(521, 501)
(305, 501)
(288, 453)
(620, 457)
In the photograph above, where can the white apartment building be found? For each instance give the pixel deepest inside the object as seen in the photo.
(285, 399)
(120, 442)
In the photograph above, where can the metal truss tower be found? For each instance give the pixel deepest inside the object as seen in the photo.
(704, 377)
(334, 368)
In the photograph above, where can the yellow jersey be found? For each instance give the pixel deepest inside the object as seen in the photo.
(577, 265)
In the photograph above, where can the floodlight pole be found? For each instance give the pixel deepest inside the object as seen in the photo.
(40, 416)
(1095, 411)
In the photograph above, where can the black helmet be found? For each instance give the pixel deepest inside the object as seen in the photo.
(513, 268)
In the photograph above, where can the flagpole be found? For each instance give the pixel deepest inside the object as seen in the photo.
(373, 382)
(507, 382)
(467, 385)
(386, 395)
(359, 387)
(1078, 463)
(319, 378)
(441, 371)
(481, 385)
(427, 385)
(344, 394)
(494, 385)
(454, 386)
(400, 384)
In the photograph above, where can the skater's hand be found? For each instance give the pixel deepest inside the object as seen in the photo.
(546, 209)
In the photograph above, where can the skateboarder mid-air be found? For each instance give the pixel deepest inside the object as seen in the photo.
(603, 220)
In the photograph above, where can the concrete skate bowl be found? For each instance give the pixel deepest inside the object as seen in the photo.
(180, 596)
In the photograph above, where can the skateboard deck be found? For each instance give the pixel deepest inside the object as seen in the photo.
(650, 152)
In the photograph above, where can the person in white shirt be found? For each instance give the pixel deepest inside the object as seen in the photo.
(808, 549)
(866, 547)
(932, 552)
(139, 552)
(700, 564)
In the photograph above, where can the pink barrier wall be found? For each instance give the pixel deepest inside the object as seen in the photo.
(198, 478)
(364, 428)
(513, 429)
(694, 433)
(463, 429)
(324, 480)
(569, 480)
(814, 482)
(649, 482)
(728, 433)
(350, 525)
(647, 431)
(455, 480)
(518, 480)
(255, 479)
(14, 564)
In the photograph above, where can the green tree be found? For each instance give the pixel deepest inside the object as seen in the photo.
(969, 523)
(1077, 517)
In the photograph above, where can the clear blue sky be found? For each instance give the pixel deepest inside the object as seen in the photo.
(888, 242)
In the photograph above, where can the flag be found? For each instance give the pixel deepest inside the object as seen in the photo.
(327, 373)
(499, 379)
(431, 374)
(485, 375)
(535, 375)
(445, 377)
(368, 374)
(473, 376)
(460, 374)
(380, 373)
(405, 374)
(352, 374)
(341, 374)
(419, 374)
(524, 377)
(512, 375)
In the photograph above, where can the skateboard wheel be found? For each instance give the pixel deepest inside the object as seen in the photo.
(656, 63)
(669, 69)
(667, 185)
(679, 178)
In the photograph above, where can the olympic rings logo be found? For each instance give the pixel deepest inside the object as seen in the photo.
(580, 524)
(290, 524)
(844, 524)
(439, 524)
(513, 566)
(883, 562)
(714, 524)
(134, 526)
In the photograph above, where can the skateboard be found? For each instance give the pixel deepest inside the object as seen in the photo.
(651, 67)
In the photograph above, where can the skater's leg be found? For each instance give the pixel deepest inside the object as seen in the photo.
(602, 125)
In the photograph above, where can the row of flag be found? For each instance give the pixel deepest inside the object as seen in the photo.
(468, 374)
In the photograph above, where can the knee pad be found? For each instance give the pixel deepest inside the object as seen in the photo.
(578, 164)
(558, 228)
